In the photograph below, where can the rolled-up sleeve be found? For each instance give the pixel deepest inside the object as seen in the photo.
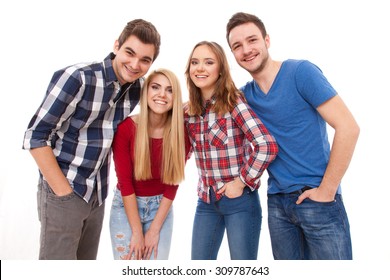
(58, 105)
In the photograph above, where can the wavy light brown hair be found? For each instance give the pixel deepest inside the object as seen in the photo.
(173, 154)
(226, 91)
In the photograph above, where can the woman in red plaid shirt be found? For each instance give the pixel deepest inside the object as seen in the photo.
(232, 149)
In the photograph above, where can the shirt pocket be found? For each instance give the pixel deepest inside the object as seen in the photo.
(217, 134)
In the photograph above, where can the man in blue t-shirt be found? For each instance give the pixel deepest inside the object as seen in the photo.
(306, 215)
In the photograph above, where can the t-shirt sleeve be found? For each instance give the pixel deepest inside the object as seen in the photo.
(313, 85)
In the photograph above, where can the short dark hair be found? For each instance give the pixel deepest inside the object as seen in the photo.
(242, 18)
(143, 30)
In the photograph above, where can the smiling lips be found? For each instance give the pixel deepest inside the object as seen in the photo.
(160, 102)
(201, 77)
(250, 57)
(130, 70)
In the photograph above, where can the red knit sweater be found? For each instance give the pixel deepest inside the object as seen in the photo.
(123, 154)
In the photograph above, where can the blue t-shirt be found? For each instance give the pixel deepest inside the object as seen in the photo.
(289, 112)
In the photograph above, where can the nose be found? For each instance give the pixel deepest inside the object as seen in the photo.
(200, 67)
(246, 48)
(135, 63)
(162, 92)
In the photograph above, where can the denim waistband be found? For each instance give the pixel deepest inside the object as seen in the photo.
(297, 192)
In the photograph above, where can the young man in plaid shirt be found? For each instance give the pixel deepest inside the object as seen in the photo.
(70, 139)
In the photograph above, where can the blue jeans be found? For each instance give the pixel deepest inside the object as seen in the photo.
(241, 217)
(120, 229)
(309, 231)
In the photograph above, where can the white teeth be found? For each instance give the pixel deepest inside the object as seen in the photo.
(131, 70)
(201, 76)
(250, 58)
(160, 102)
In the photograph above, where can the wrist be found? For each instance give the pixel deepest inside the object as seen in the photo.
(240, 182)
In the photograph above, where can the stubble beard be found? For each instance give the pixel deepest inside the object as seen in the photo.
(260, 67)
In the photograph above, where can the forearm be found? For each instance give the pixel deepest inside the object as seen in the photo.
(264, 146)
(50, 170)
(161, 214)
(343, 147)
(131, 209)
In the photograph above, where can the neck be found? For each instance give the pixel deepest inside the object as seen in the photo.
(207, 94)
(157, 124)
(266, 76)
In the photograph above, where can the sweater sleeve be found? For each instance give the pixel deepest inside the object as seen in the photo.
(170, 191)
(123, 148)
(188, 147)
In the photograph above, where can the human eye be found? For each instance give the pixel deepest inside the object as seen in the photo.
(210, 62)
(194, 62)
(155, 86)
(235, 47)
(146, 61)
(130, 52)
(169, 89)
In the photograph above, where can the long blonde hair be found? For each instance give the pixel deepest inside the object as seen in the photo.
(173, 154)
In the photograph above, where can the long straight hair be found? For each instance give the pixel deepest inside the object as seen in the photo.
(226, 92)
(173, 154)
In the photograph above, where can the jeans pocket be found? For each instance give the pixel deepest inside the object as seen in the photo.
(324, 203)
(246, 192)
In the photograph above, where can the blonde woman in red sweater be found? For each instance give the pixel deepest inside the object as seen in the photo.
(149, 152)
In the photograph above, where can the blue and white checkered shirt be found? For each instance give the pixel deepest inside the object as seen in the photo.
(78, 117)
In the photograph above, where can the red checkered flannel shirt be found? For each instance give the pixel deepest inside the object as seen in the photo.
(235, 144)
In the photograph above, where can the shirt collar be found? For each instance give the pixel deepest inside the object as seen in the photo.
(210, 102)
(109, 70)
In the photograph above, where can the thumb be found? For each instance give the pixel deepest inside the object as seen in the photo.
(301, 198)
(222, 190)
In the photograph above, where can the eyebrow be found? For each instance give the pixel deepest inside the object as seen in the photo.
(206, 58)
(132, 51)
(245, 39)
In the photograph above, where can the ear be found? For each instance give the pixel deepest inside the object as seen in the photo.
(267, 41)
(116, 47)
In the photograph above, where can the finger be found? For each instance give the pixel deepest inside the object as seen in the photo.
(221, 190)
(155, 252)
(131, 254)
(301, 198)
(140, 254)
(135, 255)
(147, 254)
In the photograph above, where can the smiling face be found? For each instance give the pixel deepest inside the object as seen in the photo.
(133, 59)
(249, 47)
(204, 70)
(160, 95)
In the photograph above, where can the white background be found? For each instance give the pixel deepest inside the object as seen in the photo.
(349, 40)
